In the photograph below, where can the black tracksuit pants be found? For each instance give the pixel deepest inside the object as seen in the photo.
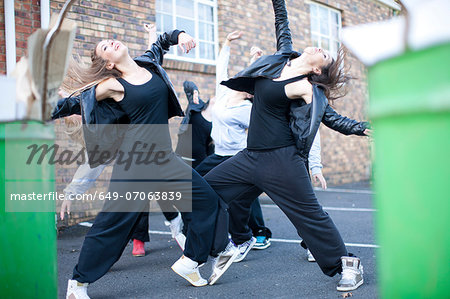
(283, 175)
(111, 231)
(254, 225)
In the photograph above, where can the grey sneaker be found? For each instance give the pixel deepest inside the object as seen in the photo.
(222, 262)
(310, 256)
(352, 274)
(244, 248)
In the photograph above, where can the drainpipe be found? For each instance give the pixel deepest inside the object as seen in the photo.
(45, 14)
(10, 36)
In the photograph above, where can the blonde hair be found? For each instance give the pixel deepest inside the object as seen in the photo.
(81, 76)
(74, 129)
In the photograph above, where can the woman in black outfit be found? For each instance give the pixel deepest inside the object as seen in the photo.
(141, 90)
(194, 141)
(290, 100)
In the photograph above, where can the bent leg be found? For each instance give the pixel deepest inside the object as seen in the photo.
(140, 231)
(232, 180)
(289, 186)
(104, 244)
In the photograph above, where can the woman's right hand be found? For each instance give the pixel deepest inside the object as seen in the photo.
(234, 35)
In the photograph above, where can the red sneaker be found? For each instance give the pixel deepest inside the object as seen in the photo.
(138, 248)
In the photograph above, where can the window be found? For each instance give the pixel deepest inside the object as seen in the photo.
(325, 28)
(196, 17)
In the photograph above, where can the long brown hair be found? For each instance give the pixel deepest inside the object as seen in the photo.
(333, 77)
(81, 76)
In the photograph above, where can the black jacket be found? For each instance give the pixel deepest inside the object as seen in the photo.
(152, 57)
(270, 66)
(97, 114)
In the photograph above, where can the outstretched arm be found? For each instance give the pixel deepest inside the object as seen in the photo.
(67, 106)
(151, 29)
(222, 61)
(343, 124)
(282, 31)
(163, 42)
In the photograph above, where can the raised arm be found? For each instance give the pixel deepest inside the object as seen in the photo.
(282, 31)
(151, 29)
(222, 61)
(191, 91)
(163, 43)
(255, 54)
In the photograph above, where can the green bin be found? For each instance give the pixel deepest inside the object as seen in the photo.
(410, 111)
(28, 267)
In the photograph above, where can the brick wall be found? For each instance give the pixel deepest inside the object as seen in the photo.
(345, 159)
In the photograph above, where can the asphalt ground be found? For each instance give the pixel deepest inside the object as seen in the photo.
(280, 271)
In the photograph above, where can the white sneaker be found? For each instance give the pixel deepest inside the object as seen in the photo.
(222, 262)
(352, 274)
(244, 249)
(76, 290)
(188, 269)
(310, 256)
(181, 240)
(176, 225)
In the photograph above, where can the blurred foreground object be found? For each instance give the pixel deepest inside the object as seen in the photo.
(60, 50)
(28, 267)
(409, 87)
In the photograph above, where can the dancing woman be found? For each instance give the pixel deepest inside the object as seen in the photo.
(140, 91)
(290, 100)
(194, 136)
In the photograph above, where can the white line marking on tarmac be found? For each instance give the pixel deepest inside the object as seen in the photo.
(157, 232)
(346, 244)
(356, 191)
(330, 208)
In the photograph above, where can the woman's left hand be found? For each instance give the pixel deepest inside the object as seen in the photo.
(368, 132)
(186, 42)
(318, 177)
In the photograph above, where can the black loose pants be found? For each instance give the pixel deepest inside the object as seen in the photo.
(111, 231)
(283, 175)
(254, 225)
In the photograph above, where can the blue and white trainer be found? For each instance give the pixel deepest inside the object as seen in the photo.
(244, 248)
(262, 242)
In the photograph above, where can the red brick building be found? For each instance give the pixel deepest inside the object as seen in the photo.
(345, 159)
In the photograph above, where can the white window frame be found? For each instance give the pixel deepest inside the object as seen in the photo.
(195, 35)
(319, 34)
